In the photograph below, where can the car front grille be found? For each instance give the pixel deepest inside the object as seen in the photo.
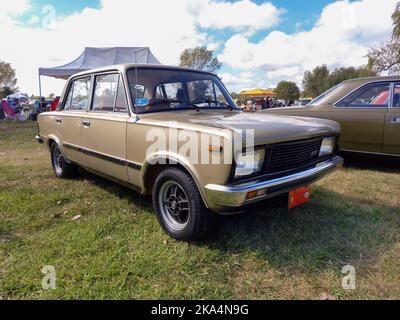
(290, 155)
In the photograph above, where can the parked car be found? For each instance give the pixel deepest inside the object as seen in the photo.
(368, 110)
(303, 102)
(109, 120)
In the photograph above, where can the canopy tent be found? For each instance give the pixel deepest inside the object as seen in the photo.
(100, 57)
(18, 96)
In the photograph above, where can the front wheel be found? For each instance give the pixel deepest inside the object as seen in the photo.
(178, 205)
(62, 168)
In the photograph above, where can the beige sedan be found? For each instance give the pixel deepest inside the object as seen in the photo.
(177, 135)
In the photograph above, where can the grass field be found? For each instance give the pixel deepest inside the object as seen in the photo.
(118, 251)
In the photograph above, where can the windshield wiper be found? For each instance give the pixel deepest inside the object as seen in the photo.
(158, 101)
(209, 101)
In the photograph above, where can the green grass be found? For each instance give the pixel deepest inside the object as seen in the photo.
(118, 251)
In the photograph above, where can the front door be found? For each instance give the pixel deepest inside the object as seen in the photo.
(69, 120)
(104, 127)
(392, 125)
(362, 117)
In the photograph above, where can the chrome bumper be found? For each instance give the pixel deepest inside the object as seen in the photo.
(236, 195)
(39, 139)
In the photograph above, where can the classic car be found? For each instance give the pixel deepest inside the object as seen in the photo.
(112, 122)
(368, 110)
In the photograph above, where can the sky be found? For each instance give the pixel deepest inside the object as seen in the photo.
(259, 42)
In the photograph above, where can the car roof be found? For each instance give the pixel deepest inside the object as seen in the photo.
(125, 67)
(372, 79)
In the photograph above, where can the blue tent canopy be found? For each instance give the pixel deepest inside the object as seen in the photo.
(93, 58)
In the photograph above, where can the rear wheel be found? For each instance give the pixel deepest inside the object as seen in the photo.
(178, 205)
(62, 168)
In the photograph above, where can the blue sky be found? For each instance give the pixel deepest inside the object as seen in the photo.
(259, 42)
(63, 8)
(297, 12)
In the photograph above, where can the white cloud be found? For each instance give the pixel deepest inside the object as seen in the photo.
(13, 8)
(167, 27)
(243, 14)
(341, 37)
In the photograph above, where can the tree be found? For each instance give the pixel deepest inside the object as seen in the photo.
(200, 58)
(387, 57)
(396, 22)
(8, 81)
(314, 82)
(52, 96)
(342, 74)
(321, 79)
(287, 90)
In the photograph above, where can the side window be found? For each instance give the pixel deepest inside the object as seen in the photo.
(67, 104)
(171, 91)
(220, 96)
(201, 90)
(369, 96)
(121, 105)
(105, 92)
(80, 95)
(396, 96)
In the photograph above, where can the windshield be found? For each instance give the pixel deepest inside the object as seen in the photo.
(323, 95)
(155, 89)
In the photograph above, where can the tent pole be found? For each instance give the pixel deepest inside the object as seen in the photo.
(40, 86)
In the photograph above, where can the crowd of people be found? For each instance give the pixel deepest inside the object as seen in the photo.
(14, 108)
(260, 104)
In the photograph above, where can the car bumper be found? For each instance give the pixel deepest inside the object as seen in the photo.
(39, 139)
(234, 196)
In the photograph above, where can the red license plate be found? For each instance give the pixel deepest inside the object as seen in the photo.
(299, 197)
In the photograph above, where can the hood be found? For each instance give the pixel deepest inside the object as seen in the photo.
(268, 128)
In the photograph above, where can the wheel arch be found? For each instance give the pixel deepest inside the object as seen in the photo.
(155, 164)
(53, 139)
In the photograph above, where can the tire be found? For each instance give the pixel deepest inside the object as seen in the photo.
(178, 205)
(62, 168)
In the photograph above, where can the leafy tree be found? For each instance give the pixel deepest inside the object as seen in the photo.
(387, 57)
(200, 58)
(8, 81)
(52, 96)
(321, 79)
(287, 90)
(314, 82)
(342, 74)
(396, 22)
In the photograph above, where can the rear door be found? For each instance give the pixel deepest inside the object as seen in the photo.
(104, 127)
(392, 124)
(69, 120)
(362, 117)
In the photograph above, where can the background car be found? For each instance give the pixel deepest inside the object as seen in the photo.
(368, 110)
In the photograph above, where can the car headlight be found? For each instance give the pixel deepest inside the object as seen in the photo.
(249, 163)
(327, 147)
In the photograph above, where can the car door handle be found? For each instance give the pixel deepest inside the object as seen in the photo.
(86, 123)
(58, 120)
(395, 120)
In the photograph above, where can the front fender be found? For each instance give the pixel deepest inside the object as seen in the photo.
(172, 158)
